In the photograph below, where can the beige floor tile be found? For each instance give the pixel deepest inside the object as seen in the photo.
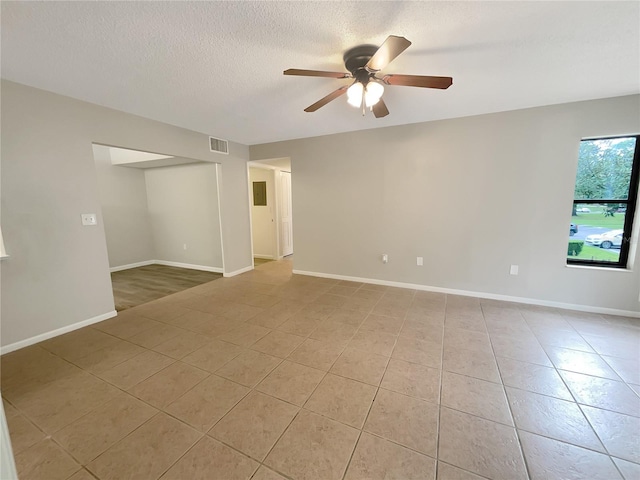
(458, 339)
(56, 404)
(313, 447)
(160, 311)
(360, 365)
(487, 448)
(242, 313)
(45, 460)
(476, 397)
(423, 352)
(213, 355)
(205, 404)
(561, 338)
(472, 364)
(413, 380)
(169, 384)
(618, 432)
(449, 472)
(107, 358)
(147, 452)
(255, 424)
(628, 370)
(245, 335)
(382, 324)
(126, 325)
(135, 370)
(210, 459)
(524, 349)
(376, 458)
(547, 458)
(334, 332)
(580, 362)
(316, 311)
(342, 399)
(429, 330)
(182, 345)
(155, 336)
(630, 471)
(466, 322)
(602, 393)
(89, 436)
(300, 325)
(32, 365)
(625, 346)
(316, 354)
(264, 473)
(375, 342)
(23, 433)
(81, 475)
(350, 317)
(278, 344)
(361, 304)
(533, 378)
(249, 368)
(291, 382)
(405, 420)
(551, 417)
(74, 345)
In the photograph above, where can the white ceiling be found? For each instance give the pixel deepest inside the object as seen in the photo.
(216, 67)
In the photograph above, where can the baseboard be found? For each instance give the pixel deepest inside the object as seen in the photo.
(204, 268)
(238, 272)
(132, 265)
(467, 293)
(263, 257)
(54, 333)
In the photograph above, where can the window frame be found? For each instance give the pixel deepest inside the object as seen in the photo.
(630, 202)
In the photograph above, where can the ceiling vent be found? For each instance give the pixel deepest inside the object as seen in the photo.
(218, 145)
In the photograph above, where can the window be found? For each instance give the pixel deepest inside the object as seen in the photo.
(604, 201)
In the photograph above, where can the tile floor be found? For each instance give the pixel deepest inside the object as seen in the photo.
(270, 375)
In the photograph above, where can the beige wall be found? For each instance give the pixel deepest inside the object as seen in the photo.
(58, 273)
(263, 218)
(471, 195)
(183, 210)
(123, 198)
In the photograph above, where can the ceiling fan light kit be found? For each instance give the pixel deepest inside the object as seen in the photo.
(363, 63)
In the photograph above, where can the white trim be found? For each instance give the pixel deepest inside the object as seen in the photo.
(466, 293)
(204, 268)
(264, 257)
(218, 173)
(132, 265)
(238, 272)
(54, 333)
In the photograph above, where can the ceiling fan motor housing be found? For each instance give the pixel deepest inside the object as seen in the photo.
(357, 57)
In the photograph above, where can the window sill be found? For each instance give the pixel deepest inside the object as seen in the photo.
(593, 267)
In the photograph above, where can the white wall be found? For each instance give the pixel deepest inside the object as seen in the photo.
(263, 218)
(183, 210)
(58, 272)
(471, 195)
(123, 197)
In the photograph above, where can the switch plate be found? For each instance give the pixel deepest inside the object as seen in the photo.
(89, 219)
(385, 258)
(514, 270)
(419, 261)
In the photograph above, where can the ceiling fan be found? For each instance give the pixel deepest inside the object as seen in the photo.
(364, 62)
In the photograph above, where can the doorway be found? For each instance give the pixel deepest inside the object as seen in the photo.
(270, 194)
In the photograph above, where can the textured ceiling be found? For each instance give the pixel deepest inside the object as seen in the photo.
(216, 67)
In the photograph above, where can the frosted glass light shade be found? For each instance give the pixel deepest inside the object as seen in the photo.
(373, 93)
(354, 94)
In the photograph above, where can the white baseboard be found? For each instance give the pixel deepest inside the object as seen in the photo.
(238, 272)
(132, 265)
(466, 293)
(54, 333)
(204, 268)
(264, 257)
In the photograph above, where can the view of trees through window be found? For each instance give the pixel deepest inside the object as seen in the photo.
(604, 200)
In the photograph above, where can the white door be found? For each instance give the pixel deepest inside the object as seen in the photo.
(286, 217)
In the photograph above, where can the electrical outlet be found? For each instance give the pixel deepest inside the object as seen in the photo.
(89, 219)
(184, 246)
(385, 258)
(419, 261)
(513, 270)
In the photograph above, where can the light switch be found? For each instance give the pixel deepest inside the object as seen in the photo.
(513, 270)
(89, 219)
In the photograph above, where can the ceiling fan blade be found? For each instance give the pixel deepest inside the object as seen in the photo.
(380, 109)
(390, 49)
(316, 73)
(418, 81)
(323, 101)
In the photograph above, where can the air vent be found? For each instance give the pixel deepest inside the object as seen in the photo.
(218, 145)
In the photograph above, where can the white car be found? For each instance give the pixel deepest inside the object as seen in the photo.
(583, 210)
(612, 238)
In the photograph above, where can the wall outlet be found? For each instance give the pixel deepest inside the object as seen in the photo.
(89, 219)
(385, 258)
(184, 246)
(419, 261)
(513, 270)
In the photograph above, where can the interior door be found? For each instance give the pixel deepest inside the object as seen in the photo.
(286, 216)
